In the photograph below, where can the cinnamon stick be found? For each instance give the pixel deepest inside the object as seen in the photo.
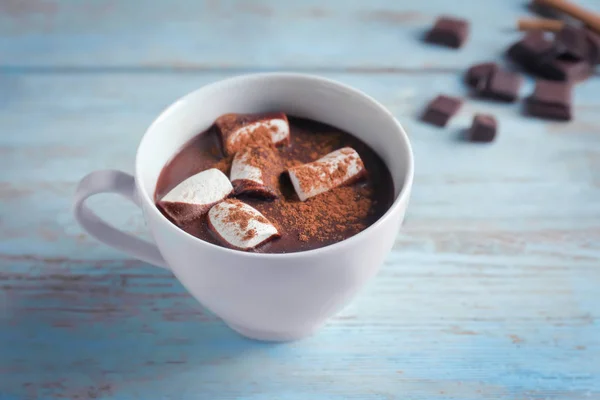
(589, 18)
(542, 24)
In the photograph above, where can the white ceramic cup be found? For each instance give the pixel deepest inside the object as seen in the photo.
(261, 296)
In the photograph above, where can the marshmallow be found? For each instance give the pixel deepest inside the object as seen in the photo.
(239, 225)
(237, 130)
(255, 171)
(340, 167)
(196, 195)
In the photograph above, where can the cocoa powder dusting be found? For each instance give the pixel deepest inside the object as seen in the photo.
(260, 136)
(262, 157)
(268, 161)
(241, 217)
(291, 163)
(250, 234)
(329, 215)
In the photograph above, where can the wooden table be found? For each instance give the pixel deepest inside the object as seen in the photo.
(492, 290)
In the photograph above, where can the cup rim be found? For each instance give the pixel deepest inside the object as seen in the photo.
(394, 208)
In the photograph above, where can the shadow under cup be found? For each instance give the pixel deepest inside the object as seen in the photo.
(275, 296)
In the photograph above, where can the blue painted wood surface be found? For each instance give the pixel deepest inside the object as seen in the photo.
(492, 289)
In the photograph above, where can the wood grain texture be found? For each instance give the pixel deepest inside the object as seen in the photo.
(492, 290)
(257, 34)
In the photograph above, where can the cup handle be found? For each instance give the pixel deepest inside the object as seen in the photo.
(111, 181)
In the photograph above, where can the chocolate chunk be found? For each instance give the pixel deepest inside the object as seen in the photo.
(441, 109)
(571, 43)
(501, 85)
(551, 100)
(548, 111)
(549, 92)
(479, 72)
(593, 40)
(561, 69)
(448, 31)
(483, 128)
(531, 51)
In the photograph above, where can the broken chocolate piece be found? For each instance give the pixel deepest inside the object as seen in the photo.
(239, 130)
(532, 50)
(239, 225)
(255, 171)
(571, 43)
(439, 111)
(337, 168)
(568, 58)
(479, 72)
(449, 31)
(483, 128)
(196, 195)
(551, 100)
(501, 85)
(561, 69)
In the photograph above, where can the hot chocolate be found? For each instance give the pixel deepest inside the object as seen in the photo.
(274, 184)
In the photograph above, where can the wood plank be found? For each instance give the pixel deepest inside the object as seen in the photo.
(491, 290)
(430, 330)
(262, 34)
